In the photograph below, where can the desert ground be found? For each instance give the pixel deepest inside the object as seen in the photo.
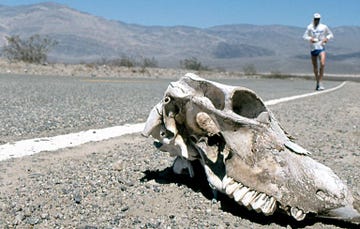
(125, 182)
(95, 70)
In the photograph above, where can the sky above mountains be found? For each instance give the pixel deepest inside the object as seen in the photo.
(207, 13)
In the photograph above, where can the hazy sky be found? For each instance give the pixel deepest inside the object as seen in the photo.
(207, 13)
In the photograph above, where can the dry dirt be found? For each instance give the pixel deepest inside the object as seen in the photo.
(93, 70)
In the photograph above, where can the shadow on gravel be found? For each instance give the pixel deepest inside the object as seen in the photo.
(200, 184)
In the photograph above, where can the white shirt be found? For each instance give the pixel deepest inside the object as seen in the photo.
(318, 33)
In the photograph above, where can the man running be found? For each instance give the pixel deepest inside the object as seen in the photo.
(318, 35)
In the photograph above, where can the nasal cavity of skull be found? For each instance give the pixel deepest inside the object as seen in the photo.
(247, 104)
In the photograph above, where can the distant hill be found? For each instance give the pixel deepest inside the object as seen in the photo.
(83, 37)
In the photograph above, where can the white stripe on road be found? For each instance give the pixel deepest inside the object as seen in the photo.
(36, 145)
(286, 99)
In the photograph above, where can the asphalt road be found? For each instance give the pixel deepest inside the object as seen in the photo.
(42, 106)
(125, 182)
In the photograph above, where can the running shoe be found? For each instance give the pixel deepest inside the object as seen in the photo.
(320, 88)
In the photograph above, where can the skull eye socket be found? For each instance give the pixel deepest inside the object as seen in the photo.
(247, 104)
(217, 98)
(214, 94)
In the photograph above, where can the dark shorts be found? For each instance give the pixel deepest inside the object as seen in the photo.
(316, 52)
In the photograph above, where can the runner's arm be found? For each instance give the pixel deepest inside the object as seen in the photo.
(306, 35)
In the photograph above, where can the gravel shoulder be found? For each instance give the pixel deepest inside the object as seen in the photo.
(126, 183)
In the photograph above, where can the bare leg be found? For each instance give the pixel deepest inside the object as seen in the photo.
(315, 68)
(322, 56)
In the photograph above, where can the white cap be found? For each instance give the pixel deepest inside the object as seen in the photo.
(317, 16)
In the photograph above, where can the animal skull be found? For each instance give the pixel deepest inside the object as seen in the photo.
(244, 151)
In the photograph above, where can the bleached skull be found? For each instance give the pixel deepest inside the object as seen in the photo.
(244, 151)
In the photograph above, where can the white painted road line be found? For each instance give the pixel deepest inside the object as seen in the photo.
(32, 146)
(286, 99)
(36, 145)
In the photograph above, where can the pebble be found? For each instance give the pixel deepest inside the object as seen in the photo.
(77, 198)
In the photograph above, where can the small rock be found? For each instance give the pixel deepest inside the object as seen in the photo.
(33, 220)
(118, 166)
(44, 216)
(90, 227)
(124, 209)
(18, 218)
(77, 198)
(58, 215)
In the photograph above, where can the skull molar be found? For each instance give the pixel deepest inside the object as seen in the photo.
(244, 151)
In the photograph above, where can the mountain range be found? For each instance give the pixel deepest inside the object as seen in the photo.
(83, 37)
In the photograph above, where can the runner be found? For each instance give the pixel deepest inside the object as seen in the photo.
(318, 35)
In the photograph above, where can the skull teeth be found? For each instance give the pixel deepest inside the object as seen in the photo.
(269, 207)
(260, 202)
(226, 181)
(230, 189)
(248, 198)
(298, 214)
(240, 193)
